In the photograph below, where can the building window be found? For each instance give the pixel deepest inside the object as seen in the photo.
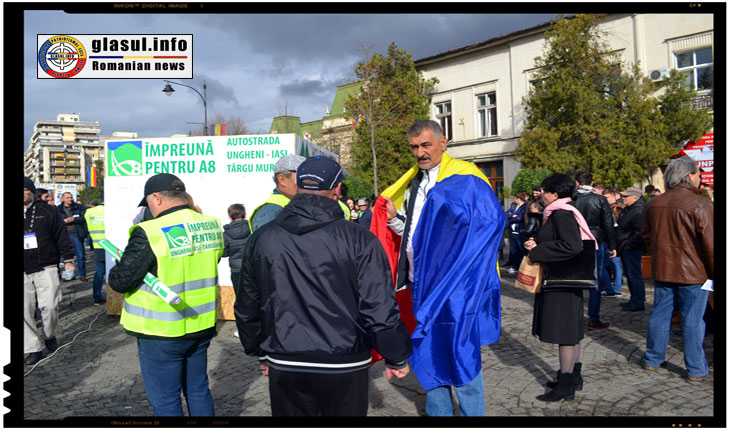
(487, 114)
(494, 171)
(443, 114)
(698, 68)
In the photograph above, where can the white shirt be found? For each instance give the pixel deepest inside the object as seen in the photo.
(398, 226)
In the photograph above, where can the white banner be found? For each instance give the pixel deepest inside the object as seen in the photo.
(218, 171)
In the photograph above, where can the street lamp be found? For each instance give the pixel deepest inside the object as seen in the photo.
(169, 90)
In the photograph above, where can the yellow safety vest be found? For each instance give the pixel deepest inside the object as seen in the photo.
(187, 246)
(276, 199)
(95, 223)
(345, 209)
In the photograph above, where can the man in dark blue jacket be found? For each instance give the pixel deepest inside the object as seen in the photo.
(516, 222)
(72, 214)
(316, 297)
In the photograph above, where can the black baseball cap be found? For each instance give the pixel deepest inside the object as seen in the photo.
(319, 173)
(28, 183)
(161, 182)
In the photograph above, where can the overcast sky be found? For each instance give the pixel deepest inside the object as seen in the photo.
(256, 65)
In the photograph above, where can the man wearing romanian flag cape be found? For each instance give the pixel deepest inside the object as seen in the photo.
(440, 225)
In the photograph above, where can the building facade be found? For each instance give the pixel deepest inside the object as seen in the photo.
(334, 132)
(478, 99)
(60, 151)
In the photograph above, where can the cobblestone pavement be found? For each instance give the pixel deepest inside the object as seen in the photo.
(98, 374)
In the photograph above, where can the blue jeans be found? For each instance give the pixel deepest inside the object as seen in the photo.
(615, 264)
(99, 280)
(515, 250)
(171, 366)
(471, 399)
(80, 254)
(692, 302)
(604, 282)
(635, 280)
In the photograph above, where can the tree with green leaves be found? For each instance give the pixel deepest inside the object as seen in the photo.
(358, 187)
(393, 96)
(527, 179)
(589, 111)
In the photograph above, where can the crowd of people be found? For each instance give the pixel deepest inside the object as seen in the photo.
(326, 285)
(676, 227)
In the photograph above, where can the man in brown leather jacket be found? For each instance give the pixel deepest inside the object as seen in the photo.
(678, 225)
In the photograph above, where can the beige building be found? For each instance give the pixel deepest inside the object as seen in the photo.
(60, 151)
(478, 99)
(334, 132)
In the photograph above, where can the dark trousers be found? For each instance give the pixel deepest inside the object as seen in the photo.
(235, 280)
(80, 253)
(516, 251)
(635, 280)
(319, 394)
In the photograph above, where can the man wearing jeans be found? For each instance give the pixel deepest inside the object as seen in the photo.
(599, 217)
(443, 229)
(72, 214)
(182, 248)
(631, 246)
(679, 226)
(614, 263)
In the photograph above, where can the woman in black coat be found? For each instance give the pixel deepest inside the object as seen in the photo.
(559, 245)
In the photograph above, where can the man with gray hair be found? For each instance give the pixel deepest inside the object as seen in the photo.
(441, 225)
(679, 227)
(286, 188)
(631, 247)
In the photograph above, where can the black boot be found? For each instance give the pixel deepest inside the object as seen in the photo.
(564, 390)
(576, 375)
(33, 358)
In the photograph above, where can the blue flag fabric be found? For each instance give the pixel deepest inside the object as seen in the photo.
(456, 293)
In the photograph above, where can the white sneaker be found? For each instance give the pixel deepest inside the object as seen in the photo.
(235, 333)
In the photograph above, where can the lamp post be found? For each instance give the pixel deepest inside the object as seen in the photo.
(169, 90)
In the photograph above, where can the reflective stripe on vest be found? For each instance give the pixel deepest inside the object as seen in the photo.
(187, 247)
(169, 316)
(95, 223)
(276, 199)
(186, 286)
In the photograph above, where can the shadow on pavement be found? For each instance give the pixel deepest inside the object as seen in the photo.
(408, 387)
(508, 349)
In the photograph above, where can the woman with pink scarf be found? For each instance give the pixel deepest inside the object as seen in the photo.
(558, 315)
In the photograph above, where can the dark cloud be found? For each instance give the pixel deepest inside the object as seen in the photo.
(303, 88)
(252, 63)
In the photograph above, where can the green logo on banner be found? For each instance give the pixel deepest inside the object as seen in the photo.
(177, 239)
(125, 158)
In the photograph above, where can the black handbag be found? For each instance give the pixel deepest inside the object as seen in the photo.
(578, 273)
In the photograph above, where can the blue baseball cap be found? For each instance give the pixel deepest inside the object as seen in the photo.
(319, 173)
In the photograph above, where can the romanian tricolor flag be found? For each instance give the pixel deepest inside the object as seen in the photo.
(217, 129)
(454, 305)
(91, 177)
